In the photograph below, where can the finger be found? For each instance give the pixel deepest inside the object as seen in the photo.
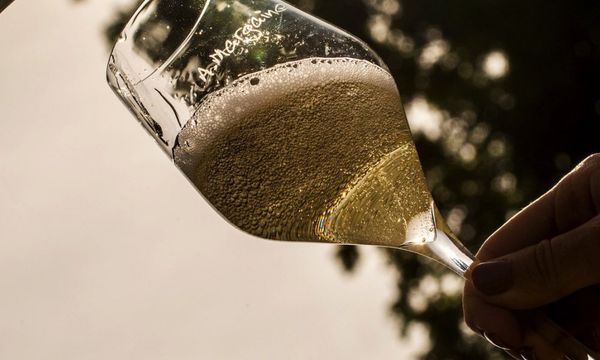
(572, 202)
(539, 348)
(556, 337)
(543, 340)
(498, 325)
(587, 333)
(578, 195)
(512, 331)
(579, 315)
(518, 232)
(543, 273)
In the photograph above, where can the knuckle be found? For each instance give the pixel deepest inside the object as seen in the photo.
(595, 158)
(545, 267)
(587, 167)
(591, 162)
(581, 189)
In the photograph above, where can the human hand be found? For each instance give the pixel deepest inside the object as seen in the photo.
(548, 256)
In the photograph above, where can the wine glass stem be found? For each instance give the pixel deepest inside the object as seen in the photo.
(447, 250)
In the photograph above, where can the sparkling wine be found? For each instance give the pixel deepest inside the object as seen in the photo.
(314, 150)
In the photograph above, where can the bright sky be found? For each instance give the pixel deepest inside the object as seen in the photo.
(106, 252)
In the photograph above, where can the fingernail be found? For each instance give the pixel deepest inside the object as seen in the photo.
(528, 354)
(496, 341)
(492, 277)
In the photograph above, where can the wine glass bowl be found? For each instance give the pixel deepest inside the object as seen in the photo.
(291, 128)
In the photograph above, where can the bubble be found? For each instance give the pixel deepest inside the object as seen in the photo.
(274, 165)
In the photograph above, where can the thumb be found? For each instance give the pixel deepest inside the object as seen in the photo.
(542, 273)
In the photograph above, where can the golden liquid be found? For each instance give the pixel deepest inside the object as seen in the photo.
(315, 150)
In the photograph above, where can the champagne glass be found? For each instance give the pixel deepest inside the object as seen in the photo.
(291, 128)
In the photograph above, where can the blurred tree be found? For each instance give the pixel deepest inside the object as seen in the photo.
(502, 98)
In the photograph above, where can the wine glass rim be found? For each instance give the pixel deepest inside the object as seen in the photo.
(124, 45)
